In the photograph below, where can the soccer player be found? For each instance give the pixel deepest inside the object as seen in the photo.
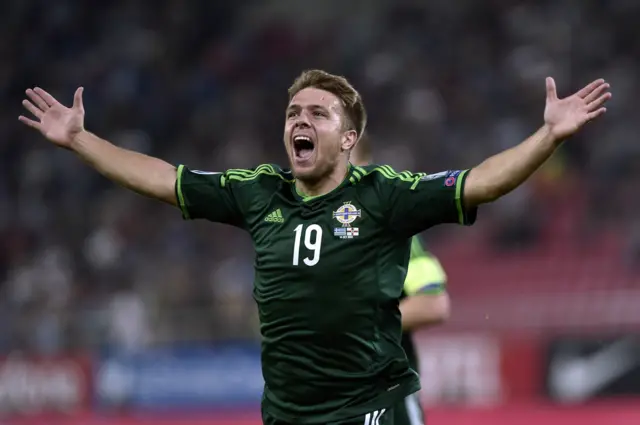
(424, 301)
(332, 240)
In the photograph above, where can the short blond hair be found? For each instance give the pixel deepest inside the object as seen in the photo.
(341, 88)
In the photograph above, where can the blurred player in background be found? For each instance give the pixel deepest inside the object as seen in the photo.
(332, 239)
(424, 301)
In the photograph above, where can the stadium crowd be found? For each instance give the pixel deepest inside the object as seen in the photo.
(446, 83)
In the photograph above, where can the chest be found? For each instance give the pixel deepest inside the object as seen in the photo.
(316, 238)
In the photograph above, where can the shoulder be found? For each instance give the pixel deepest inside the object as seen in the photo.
(425, 271)
(262, 175)
(385, 175)
(267, 177)
(418, 249)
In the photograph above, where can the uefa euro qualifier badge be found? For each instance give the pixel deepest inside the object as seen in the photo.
(346, 215)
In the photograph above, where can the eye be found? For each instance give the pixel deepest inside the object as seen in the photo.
(291, 114)
(319, 114)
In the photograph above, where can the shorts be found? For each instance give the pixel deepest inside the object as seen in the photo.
(379, 417)
(409, 412)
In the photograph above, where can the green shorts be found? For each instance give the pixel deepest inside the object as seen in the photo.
(379, 417)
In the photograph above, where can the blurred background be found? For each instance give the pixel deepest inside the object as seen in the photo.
(113, 310)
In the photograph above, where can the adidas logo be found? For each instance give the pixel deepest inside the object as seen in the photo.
(275, 217)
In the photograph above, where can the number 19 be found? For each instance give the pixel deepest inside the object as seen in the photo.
(312, 241)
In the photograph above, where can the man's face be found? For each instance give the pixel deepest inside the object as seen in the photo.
(315, 136)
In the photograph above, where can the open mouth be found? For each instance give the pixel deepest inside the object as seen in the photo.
(303, 147)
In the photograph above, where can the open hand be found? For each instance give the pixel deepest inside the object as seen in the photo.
(566, 116)
(55, 121)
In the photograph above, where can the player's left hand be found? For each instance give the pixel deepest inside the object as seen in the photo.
(564, 117)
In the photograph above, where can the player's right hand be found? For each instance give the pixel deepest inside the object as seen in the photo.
(55, 121)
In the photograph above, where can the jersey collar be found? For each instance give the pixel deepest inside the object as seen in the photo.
(354, 174)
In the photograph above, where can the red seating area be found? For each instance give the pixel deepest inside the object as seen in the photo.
(562, 282)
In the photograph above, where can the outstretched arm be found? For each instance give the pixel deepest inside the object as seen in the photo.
(502, 173)
(64, 127)
(141, 173)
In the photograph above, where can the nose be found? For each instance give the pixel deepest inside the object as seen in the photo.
(302, 121)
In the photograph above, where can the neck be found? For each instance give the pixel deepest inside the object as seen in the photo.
(359, 159)
(325, 184)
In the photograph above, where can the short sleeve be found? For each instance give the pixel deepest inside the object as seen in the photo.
(425, 274)
(207, 195)
(418, 201)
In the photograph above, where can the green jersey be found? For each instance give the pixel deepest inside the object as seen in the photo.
(329, 272)
(425, 276)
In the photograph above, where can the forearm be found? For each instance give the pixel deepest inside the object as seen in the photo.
(422, 311)
(143, 174)
(501, 173)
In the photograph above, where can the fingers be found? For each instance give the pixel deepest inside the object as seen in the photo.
(598, 91)
(39, 101)
(29, 122)
(37, 112)
(587, 90)
(77, 98)
(595, 114)
(50, 100)
(596, 104)
(552, 94)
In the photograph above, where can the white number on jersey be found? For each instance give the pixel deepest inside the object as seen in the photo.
(312, 241)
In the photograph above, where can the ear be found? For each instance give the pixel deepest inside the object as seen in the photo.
(349, 140)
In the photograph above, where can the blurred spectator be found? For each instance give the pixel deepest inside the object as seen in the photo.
(447, 83)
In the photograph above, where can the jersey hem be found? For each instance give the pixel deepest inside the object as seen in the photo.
(386, 401)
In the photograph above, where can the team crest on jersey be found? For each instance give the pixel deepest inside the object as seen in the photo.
(346, 215)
